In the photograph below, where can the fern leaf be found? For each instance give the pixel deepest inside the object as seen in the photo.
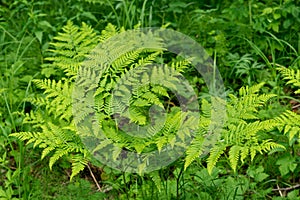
(244, 153)
(78, 164)
(156, 179)
(46, 151)
(58, 154)
(293, 77)
(193, 151)
(214, 156)
(71, 46)
(234, 154)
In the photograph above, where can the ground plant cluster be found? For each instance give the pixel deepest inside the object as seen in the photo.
(49, 63)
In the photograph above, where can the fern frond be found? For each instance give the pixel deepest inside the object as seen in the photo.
(121, 64)
(268, 145)
(180, 66)
(109, 31)
(244, 153)
(193, 151)
(246, 91)
(57, 154)
(289, 122)
(214, 156)
(156, 179)
(293, 77)
(71, 47)
(78, 164)
(149, 59)
(234, 154)
(242, 131)
(58, 98)
(46, 151)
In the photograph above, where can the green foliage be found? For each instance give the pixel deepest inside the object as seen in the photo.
(70, 49)
(292, 76)
(248, 39)
(290, 121)
(266, 30)
(129, 89)
(53, 122)
(247, 69)
(55, 128)
(19, 59)
(241, 135)
(54, 184)
(290, 124)
(287, 163)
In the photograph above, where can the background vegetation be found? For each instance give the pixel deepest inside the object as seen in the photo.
(255, 45)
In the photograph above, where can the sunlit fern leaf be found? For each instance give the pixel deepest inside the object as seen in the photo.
(78, 164)
(180, 66)
(289, 123)
(46, 151)
(109, 31)
(234, 154)
(149, 59)
(160, 90)
(120, 64)
(253, 151)
(70, 48)
(141, 103)
(244, 91)
(87, 78)
(215, 154)
(160, 142)
(137, 116)
(292, 76)
(58, 97)
(194, 151)
(23, 135)
(54, 128)
(268, 145)
(139, 145)
(57, 154)
(241, 132)
(244, 153)
(152, 98)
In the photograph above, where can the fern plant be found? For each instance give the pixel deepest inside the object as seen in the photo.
(130, 103)
(292, 76)
(123, 91)
(289, 120)
(52, 123)
(115, 92)
(240, 137)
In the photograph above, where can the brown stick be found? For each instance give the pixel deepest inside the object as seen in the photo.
(286, 189)
(94, 178)
(296, 106)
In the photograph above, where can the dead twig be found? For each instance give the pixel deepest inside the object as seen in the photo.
(286, 189)
(94, 178)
